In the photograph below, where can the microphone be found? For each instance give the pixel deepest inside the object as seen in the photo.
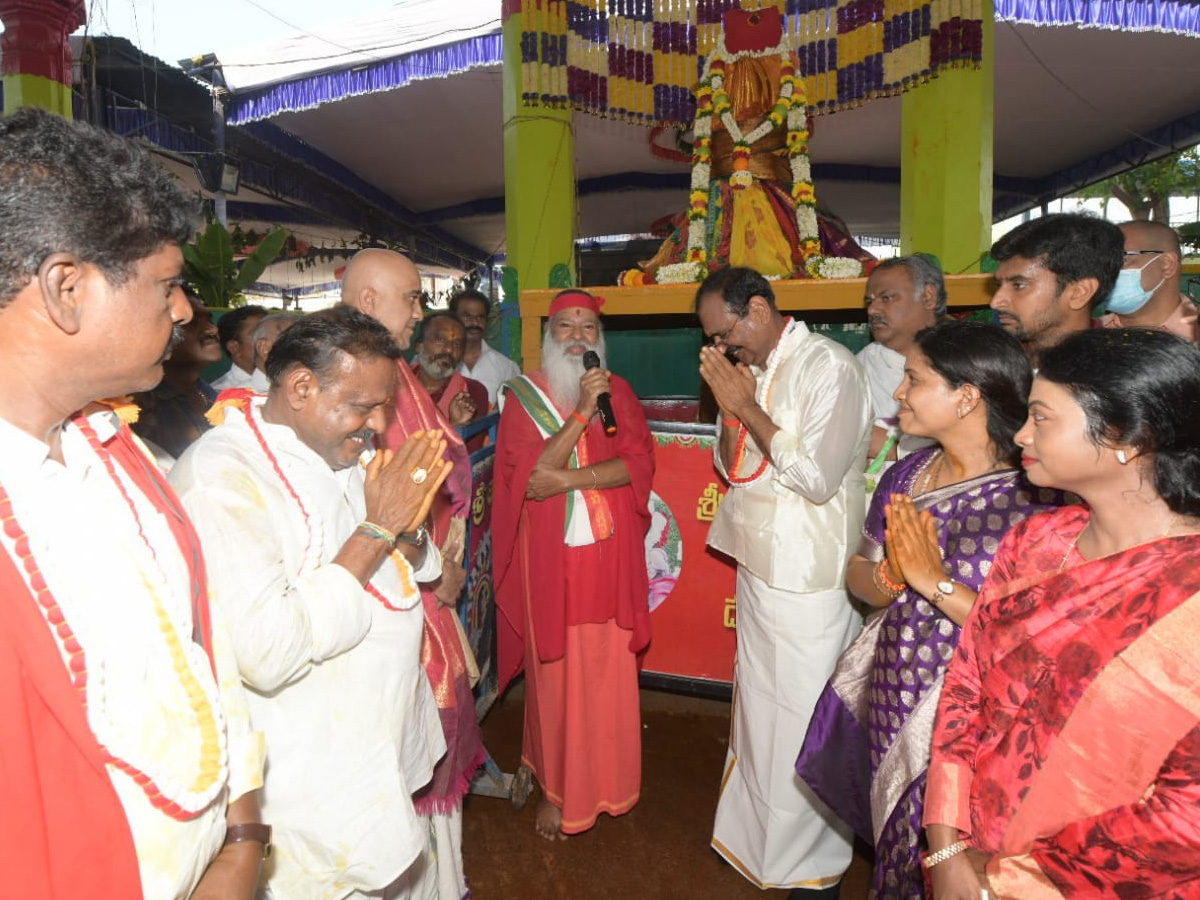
(591, 360)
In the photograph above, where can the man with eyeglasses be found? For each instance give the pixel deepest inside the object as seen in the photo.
(795, 425)
(1052, 272)
(1147, 293)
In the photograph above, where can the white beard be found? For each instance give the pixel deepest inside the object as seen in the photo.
(435, 370)
(563, 369)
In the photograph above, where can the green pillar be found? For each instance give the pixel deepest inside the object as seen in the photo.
(539, 174)
(946, 162)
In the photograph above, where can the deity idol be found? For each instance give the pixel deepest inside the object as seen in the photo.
(752, 201)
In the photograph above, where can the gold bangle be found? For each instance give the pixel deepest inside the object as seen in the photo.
(940, 856)
(595, 478)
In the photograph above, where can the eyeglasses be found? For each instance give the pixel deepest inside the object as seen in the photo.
(1132, 260)
(722, 338)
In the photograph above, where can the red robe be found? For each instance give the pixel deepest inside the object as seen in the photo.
(63, 831)
(442, 654)
(614, 583)
(451, 389)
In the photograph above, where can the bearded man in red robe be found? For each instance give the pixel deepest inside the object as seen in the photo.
(569, 523)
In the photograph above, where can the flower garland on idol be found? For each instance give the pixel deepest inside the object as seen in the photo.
(791, 108)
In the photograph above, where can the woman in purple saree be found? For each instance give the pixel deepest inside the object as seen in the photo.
(934, 524)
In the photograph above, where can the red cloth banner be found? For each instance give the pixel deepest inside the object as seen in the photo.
(691, 588)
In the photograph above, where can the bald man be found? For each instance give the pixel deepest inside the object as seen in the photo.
(387, 286)
(1147, 293)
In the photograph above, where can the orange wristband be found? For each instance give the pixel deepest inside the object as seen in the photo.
(882, 568)
(730, 421)
(578, 418)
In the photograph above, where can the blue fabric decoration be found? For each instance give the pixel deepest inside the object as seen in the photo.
(326, 87)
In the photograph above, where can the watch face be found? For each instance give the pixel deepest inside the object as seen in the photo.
(946, 587)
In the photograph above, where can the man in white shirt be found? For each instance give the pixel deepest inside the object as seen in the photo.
(903, 296)
(795, 425)
(489, 367)
(128, 762)
(235, 329)
(319, 562)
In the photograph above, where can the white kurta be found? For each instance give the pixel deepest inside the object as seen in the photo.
(113, 592)
(792, 533)
(884, 368)
(236, 377)
(336, 680)
(491, 370)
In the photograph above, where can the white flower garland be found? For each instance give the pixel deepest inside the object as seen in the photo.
(762, 393)
(791, 94)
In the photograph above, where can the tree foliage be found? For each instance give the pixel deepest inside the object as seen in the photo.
(212, 272)
(1146, 190)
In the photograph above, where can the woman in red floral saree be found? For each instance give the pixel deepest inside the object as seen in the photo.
(1066, 753)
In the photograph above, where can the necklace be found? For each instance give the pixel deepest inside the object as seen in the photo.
(312, 550)
(932, 473)
(179, 800)
(1172, 524)
(762, 396)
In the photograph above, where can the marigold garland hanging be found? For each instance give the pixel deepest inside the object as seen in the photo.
(790, 109)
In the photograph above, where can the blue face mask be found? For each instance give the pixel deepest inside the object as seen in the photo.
(1128, 295)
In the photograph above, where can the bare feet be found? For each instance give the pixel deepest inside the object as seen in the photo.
(549, 821)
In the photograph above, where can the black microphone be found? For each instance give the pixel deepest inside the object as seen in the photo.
(591, 360)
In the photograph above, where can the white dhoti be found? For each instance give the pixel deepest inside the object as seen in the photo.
(769, 824)
(437, 874)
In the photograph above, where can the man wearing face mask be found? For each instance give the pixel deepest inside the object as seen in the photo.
(1147, 294)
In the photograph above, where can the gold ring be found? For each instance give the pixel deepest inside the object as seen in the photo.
(419, 475)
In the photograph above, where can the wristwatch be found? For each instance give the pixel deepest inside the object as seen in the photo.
(250, 831)
(414, 538)
(944, 590)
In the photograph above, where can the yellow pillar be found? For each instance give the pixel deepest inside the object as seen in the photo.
(946, 162)
(33, 90)
(539, 182)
